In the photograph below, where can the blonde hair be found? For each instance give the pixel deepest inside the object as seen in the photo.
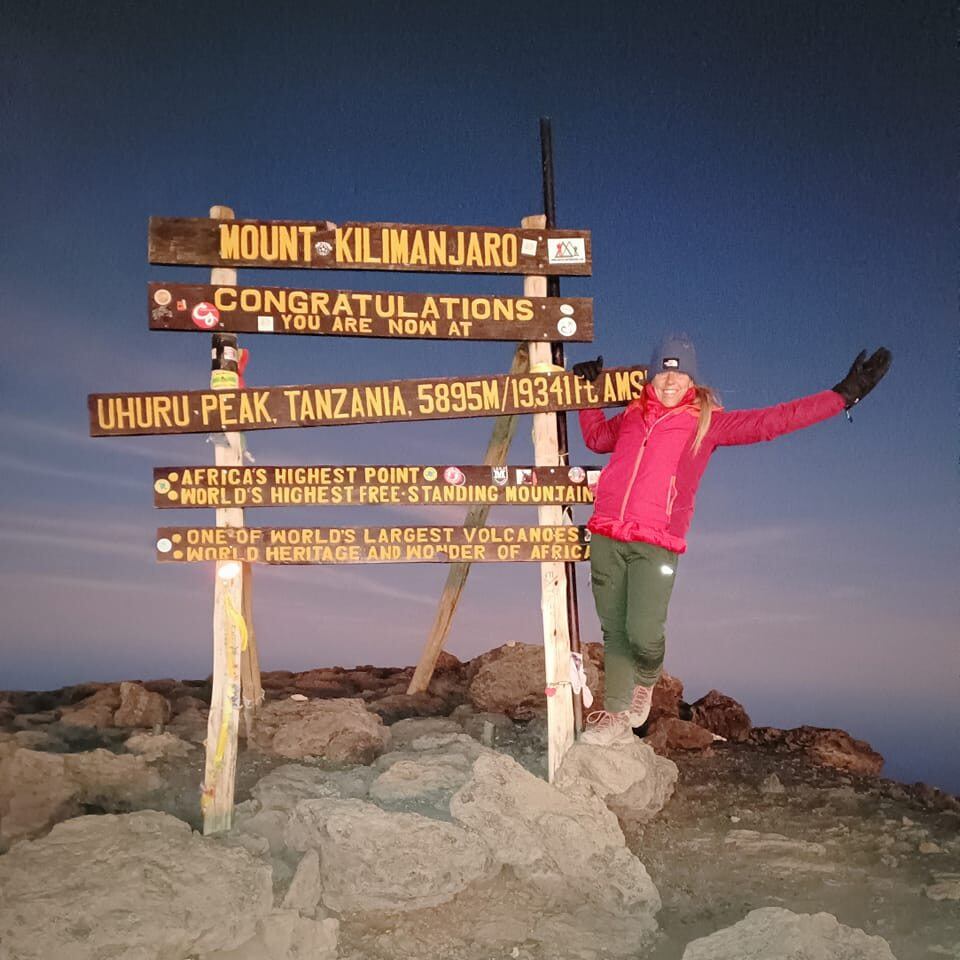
(707, 401)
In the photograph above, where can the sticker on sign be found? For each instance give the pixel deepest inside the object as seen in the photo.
(567, 250)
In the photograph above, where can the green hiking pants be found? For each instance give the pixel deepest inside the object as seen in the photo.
(632, 583)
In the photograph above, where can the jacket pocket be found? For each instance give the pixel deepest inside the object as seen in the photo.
(671, 496)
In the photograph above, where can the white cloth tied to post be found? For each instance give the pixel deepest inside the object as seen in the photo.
(578, 679)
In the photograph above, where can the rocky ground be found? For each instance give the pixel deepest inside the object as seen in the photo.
(372, 824)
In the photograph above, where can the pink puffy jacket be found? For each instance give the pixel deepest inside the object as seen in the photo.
(647, 491)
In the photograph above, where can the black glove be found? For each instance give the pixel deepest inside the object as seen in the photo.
(864, 375)
(589, 369)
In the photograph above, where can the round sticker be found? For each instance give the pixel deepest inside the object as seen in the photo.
(162, 486)
(162, 297)
(566, 309)
(577, 474)
(455, 476)
(323, 248)
(164, 545)
(205, 315)
(429, 473)
(567, 327)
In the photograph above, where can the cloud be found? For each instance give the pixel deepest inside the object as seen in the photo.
(60, 473)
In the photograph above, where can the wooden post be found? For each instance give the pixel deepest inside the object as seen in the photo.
(222, 725)
(553, 583)
(496, 455)
(251, 689)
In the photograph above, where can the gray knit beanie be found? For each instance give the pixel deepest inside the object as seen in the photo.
(674, 352)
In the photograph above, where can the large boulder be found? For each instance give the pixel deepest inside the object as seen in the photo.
(401, 705)
(159, 746)
(667, 697)
(824, 745)
(140, 885)
(36, 791)
(286, 935)
(372, 860)
(511, 680)
(723, 716)
(140, 707)
(633, 781)
(670, 734)
(427, 774)
(111, 780)
(96, 710)
(777, 934)
(566, 845)
(339, 731)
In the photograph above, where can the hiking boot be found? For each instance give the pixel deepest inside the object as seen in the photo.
(639, 708)
(604, 729)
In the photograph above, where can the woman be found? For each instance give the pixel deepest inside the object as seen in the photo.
(644, 504)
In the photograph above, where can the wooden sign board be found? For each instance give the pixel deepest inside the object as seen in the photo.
(345, 313)
(393, 484)
(319, 245)
(313, 545)
(316, 405)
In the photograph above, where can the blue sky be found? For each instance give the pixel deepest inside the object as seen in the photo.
(776, 179)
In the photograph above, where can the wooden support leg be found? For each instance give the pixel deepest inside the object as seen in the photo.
(496, 455)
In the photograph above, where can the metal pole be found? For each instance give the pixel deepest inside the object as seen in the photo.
(556, 349)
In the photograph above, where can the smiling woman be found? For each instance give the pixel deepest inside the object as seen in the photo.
(644, 504)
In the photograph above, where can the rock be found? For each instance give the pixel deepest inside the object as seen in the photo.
(29, 721)
(825, 745)
(285, 935)
(510, 680)
(372, 860)
(777, 934)
(400, 706)
(491, 728)
(566, 845)
(928, 846)
(634, 782)
(36, 791)
(404, 732)
(139, 885)
(670, 733)
(158, 746)
(323, 684)
(284, 787)
(303, 894)
(39, 740)
(140, 708)
(944, 887)
(189, 724)
(447, 662)
(96, 710)
(110, 780)
(770, 844)
(772, 785)
(339, 731)
(722, 715)
(425, 779)
(667, 697)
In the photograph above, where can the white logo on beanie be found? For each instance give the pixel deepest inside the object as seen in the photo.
(673, 362)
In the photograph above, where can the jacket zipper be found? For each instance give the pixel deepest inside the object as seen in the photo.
(636, 464)
(671, 496)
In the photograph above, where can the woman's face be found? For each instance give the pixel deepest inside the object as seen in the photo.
(671, 387)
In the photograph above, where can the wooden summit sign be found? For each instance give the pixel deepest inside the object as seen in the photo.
(320, 485)
(238, 309)
(314, 405)
(316, 545)
(320, 245)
